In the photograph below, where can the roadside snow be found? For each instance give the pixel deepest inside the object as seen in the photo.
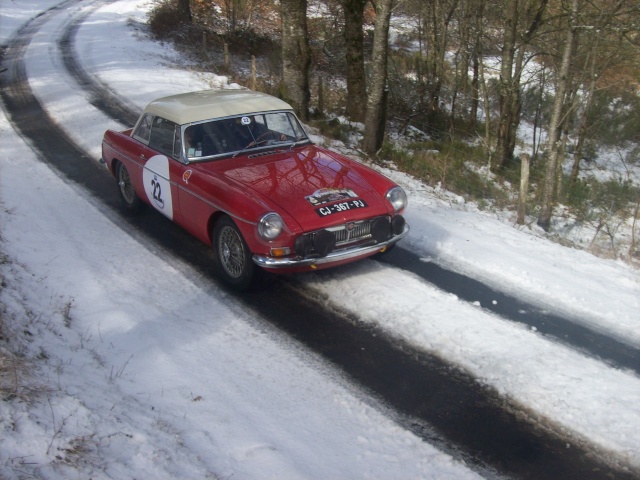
(151, 373)
(146, 372)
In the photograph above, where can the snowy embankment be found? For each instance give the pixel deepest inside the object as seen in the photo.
(151, 372)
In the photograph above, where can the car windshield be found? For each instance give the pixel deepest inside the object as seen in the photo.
(231, 135)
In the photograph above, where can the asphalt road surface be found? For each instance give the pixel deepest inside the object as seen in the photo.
(426, 394)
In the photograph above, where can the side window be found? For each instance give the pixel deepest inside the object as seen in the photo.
(143, 131)
(195, 141)
(162, 135)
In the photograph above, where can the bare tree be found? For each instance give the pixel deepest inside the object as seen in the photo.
(354, 56)
(476, 20)
(296, 56)
(438, 16)
(604, 51)
(374, 126)
(239, 14)
(522, 20)
(557, 118)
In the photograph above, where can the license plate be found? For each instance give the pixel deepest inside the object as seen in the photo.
(340, 207)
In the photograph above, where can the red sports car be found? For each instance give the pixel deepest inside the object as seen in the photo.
(236, 169)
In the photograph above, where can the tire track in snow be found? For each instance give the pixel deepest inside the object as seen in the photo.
(101, 95)
(442, 404)
(568, 332)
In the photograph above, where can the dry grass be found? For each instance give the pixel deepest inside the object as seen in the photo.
(15, 369)
(14, 375)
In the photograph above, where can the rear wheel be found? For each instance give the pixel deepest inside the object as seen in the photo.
(128, 196)
(233, 259)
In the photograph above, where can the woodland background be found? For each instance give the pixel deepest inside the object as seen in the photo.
(526, 105)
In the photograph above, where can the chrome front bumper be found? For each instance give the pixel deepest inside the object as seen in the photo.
(338, 256)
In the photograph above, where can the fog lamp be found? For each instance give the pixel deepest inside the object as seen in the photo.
(324, 242)
(381, 229)
(397, 224)
(303, 246)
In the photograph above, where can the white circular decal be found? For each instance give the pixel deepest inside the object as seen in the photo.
(245, 120)
(157, 186)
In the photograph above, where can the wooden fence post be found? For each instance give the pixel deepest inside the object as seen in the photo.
(254, 83)
(524, 187)
(320, 95)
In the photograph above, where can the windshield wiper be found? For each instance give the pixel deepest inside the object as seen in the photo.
(299, 140)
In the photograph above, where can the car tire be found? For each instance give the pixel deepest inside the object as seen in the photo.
(128, 196)
(233, 261)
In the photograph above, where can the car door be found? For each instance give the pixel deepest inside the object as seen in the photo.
(163, 167)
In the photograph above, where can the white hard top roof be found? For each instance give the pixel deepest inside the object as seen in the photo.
(207, 104)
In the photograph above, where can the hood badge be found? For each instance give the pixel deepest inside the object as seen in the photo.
(328, 195)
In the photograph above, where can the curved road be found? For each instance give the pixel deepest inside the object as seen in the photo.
(566, 331)
(424, 393)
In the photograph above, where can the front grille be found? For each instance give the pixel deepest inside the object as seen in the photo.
(351, 232)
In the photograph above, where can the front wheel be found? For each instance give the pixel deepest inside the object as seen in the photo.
(232, 256)
(128, 196)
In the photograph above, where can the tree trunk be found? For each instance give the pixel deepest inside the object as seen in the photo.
(516, 105)
(582, 131)
(546, 210)
(354, 56)
(437, 19)
(465, 34)
(374, 127)
(506, 83)
(538, 113)
(296, 56)
(487, 111)
(632, 245)
(475, 92)
(520, 28)
(184, 8)
(478, 15)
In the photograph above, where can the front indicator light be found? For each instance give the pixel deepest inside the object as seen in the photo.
(280, 251)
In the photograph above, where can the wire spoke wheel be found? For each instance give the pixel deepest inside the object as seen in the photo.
(125, 187)
(233, 258)
(231, 251)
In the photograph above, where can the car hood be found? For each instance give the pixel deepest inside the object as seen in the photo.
(301, 181)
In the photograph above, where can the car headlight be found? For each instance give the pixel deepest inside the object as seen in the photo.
(397, 198)
(270, 226)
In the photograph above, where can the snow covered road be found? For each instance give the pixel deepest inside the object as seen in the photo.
(137, 346)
